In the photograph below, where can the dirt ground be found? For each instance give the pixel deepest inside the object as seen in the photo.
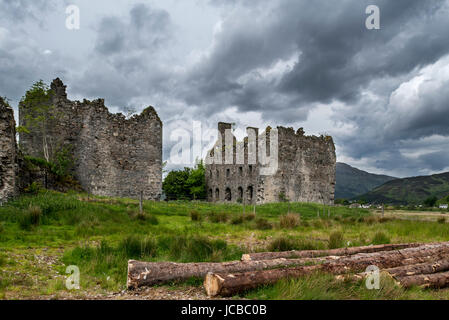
(418, 215)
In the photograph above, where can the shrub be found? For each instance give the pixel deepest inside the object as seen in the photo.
(131, 247)
(289, 221)
(218, 217)
(287, 244)
(195, 215)
(141, 216)
(263, 224)
(193, 249)
(31, 217)
(250, 216)
(153, 220)
(134, 247)
(336, 240)
(33, 188)
(380, 238)
(370, 220)
(237, 220)
(441, 220)
(282, 244)
(305, 223)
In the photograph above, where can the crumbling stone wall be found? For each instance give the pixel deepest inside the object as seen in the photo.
(112, 155)
(305, 171)
(8, 153)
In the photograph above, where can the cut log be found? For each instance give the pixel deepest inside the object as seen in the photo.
(396, 273)
(435, 280)
(321, 253)
(227, 284)
(421, 268)
(151, 273)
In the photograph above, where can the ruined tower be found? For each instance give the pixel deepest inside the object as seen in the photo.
(8, 153)
(304, 168)
(112, 155)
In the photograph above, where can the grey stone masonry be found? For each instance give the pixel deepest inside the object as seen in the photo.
(8, 153)
(305, 170)
(113, 156)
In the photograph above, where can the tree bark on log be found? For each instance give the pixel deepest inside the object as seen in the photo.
(417, 269)
(396, 273)
(435, 280)
(320, 253)
(151, 273)
(226, 284)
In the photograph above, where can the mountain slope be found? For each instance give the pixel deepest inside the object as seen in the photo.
(352, 182)
(410, 190)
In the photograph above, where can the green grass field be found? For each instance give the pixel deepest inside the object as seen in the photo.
(40, 235)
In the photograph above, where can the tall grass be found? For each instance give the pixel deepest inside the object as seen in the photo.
(110, 260)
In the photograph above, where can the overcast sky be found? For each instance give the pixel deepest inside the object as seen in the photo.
(382, 94)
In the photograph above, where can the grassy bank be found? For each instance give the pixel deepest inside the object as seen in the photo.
(42, 234)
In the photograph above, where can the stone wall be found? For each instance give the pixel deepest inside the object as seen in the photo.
(112, 155)
(305, 171)
(8, 153)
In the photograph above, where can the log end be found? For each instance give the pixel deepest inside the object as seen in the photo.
(246, 257)
(213, 284)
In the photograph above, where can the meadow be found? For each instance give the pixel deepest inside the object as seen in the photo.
(43, 233)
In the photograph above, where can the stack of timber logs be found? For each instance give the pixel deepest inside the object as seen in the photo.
(409, 264)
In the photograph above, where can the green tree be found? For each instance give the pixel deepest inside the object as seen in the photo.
(175, 185)
(186, 184)
(40, 112)
(430, 202)
(197, 181)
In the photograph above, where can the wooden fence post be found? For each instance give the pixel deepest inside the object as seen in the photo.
(141, 202)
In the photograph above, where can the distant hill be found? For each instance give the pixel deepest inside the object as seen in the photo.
(352, 182)
(410, 190)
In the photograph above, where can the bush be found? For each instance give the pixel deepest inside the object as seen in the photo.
(289, 221)
(134, 247)
(336, 240)
(153, 220)
(218, 217)
(195, 215)
(281, 244)
(263, 224)
(193, 249)
(380, 238)
(32, 217)
(370, 220)
(33, 188)
(142, 216)
(250, 216)
(441, 220)
(287, 244)
(237, 220)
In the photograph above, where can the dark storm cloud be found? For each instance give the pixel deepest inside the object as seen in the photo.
(147, 29)
(22, 10)
(22, 59)
(126, 61)
(338, 55)
(384, 89)
(338, 60)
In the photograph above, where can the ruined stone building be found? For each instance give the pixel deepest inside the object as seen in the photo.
(8, 153)
(112, 155)
(304, 172)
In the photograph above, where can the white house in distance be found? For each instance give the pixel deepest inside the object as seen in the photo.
(443, 206)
